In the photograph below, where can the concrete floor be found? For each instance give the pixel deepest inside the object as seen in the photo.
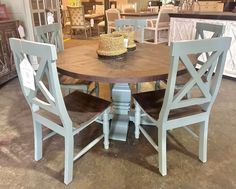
(130, 164)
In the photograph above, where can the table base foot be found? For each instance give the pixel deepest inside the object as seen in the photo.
(119, 127)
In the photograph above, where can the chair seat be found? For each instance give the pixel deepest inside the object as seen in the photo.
(86, 25)
(66, 80)
(81, 107)
(161, 25)
(151, 102)
(101, 24)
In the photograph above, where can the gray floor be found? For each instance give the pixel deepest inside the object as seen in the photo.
(130, 164)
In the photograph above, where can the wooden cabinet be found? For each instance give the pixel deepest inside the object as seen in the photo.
(8, 29)
(210, 6)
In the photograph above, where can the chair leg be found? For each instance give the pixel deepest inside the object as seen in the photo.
(85, 31)
(162, 134)
(111, 87)
(203, 141)
(69, 153)
(138, 87)
(90, 31)
(137, 120)
(37, 140)
(71, 31)
(106, 129)
(97, 88)
(156, 34)
(157, 85)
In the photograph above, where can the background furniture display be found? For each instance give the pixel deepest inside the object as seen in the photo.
(8, 29)
(182, 27)
(89, 5)
(168, 109)
(77, 20)
(66, 117)
(3, 12)
(210, 6)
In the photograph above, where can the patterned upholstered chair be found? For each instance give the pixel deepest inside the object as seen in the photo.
(111, 16)
(67, 116)
(169, 109)
(52, 34)
(77, 20)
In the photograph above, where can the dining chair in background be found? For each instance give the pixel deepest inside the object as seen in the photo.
(77, 20)
(169, 109)
(52, 34)
(111, 16)
(66, 117)
(129, 8)
(99, 9)
(160, 24)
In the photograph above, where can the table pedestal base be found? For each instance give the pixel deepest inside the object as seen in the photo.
(121, 97)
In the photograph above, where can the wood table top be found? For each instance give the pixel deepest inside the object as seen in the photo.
(147, 63)
(93, 16)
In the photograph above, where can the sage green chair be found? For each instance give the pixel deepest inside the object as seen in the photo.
(169, 109)
(66, 117)
(203, 31)
(51, 34)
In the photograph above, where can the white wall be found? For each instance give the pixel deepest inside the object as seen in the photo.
(19, 10)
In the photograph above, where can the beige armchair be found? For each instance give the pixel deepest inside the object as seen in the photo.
(161, 23)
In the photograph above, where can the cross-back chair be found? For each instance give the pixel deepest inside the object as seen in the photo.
(77, 20)
(51, 34)
(66, 117)
(203, 31)
(169, 109)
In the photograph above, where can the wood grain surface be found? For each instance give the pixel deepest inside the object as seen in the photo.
(147, 63)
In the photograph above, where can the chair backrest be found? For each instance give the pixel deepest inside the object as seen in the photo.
(207, 31)
(47, 96)
(99, 9)
(163, 16)
(112, 15)
(207, 88)
(122, 24)
(76, 15)
(129, 8)
(50, 34)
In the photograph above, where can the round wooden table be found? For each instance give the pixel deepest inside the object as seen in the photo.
(147, 63)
